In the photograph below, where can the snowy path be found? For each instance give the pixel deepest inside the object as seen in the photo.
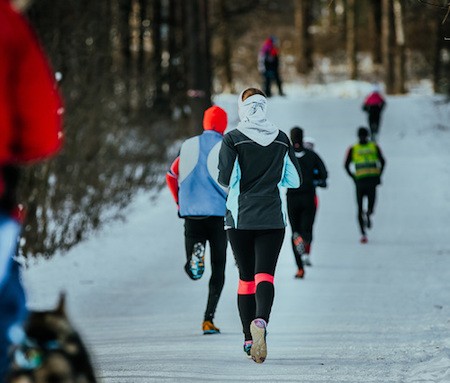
(364, 313)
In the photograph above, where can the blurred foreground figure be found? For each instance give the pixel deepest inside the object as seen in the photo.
(368, 163)
(30, 130)
(52, 351)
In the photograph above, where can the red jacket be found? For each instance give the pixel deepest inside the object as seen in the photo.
(30, 106)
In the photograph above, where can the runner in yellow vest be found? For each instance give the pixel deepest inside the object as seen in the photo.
(365, 164)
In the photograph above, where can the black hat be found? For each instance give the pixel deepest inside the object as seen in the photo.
(363, 132)
(297, 136)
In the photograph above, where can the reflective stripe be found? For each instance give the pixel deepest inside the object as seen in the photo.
(263, 277)
(246, 288)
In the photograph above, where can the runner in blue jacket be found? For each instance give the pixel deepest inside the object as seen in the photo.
(192, 179)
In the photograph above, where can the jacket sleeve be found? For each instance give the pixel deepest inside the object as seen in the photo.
(227, 158)
(172, 179)
(292, 175)
(322, 173)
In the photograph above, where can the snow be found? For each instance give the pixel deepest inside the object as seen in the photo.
(364, 313)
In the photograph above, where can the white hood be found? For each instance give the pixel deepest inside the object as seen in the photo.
(254, 124)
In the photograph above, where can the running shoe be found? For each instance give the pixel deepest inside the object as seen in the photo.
(298, 243)
(306, 260)
(247, 347)
(209, 328)
(196, 266)
(258, 350)
(363, 239)
(300, 274)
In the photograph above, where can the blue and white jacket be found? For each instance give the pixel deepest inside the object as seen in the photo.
(199, 192)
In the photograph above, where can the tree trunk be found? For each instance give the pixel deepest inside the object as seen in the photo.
(199, 68)
(375, 22)
(399, 48)
(351, 39)
(437, 62)
(387, 45)
(224, 36)
(304, 44)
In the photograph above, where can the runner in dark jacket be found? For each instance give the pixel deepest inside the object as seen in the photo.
(255, 161)
(302, 202)
(373, 105)
(368, 163)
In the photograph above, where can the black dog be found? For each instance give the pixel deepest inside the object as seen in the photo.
(52, 351)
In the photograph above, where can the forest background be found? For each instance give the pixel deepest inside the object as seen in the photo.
(136, 76)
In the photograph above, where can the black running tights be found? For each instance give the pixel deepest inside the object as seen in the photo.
(202, 230)
(369, 192)
(256, 253)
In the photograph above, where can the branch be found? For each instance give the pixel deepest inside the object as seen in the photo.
(446, 15)
(447, 6)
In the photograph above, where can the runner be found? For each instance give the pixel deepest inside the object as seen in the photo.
(368, 163)
(255, 160)
(302, 202)
(373, 106)
(201, 203)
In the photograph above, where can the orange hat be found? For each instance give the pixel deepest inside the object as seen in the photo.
(215, 118)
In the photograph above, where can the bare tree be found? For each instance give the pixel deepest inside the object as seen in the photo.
(303, 18)
(388, 39)
(375, 23)
(351, 39)
(399, 85)
(199, 64)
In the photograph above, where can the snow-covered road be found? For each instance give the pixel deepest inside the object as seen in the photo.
(364, 313)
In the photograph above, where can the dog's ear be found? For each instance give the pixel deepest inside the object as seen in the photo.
(61, 307)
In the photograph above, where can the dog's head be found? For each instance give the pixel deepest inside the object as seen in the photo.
(52, 351)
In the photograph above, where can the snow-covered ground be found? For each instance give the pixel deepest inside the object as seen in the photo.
(364, 313)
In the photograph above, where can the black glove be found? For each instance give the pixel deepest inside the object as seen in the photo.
(320, 183)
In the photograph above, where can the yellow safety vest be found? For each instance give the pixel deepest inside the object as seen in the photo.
(366, 161)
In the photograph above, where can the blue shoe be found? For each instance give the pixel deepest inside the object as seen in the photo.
(247, 347)
(196, 266)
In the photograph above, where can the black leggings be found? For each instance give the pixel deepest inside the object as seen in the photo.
(256, 253)
(369, 192)
(202, 230)
(302, 212)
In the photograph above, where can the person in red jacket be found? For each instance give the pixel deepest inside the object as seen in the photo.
(373, 106)
(192, 180)
(30, 130)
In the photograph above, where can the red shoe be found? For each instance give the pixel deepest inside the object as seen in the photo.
(363, 239)
(300, 274)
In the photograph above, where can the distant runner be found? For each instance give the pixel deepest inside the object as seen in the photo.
(368, 165)
(373, 106)
(302, 202)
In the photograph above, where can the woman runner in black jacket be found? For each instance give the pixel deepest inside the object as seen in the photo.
(256, 159)
(302, 202)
